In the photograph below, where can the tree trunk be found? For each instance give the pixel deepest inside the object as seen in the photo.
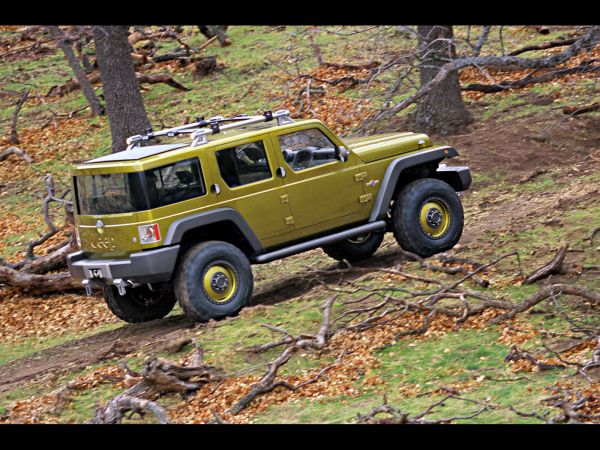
(124, 103)
(65, 45)
(442, 111)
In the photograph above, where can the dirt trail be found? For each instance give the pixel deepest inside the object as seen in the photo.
(79, 353)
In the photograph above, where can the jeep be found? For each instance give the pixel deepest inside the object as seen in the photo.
(160, 223)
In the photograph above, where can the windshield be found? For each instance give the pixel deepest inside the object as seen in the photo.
(118, 193)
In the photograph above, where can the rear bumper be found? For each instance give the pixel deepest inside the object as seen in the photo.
(151, 266)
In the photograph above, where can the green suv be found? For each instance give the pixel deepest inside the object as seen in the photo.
(184, 221)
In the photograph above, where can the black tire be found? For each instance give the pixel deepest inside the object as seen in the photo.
(191, 292)
(355, 249)
(140, 304)
(409, 230)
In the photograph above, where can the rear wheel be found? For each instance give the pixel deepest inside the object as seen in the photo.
(356, 248)
(214, 280)
(427, 217)
(140, 304)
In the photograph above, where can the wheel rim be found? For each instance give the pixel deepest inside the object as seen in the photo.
(219, 283)
(434, 218)
(146, 297)
(359, 239)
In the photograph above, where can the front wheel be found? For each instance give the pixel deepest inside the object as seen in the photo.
(140, 304)
(213, 281)
(427, 217)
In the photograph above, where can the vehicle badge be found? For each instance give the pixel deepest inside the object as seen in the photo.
(372, 183)
(100, 226)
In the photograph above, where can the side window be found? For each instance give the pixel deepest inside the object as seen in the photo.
(174, 183)
(243, 164)
(307, 148)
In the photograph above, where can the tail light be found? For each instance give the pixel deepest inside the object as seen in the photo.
(149, 233)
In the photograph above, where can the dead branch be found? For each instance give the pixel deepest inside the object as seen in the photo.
(121, 404)
(576, 110)
(38, 284)
(584, 67)
(17, 152)
(585, 42)
(50, 197)
(545, 293)
(554, 266)
(516, 354)
(268, 382)
(153, 79)
(14, 139)
(399, 417)
(544, 46)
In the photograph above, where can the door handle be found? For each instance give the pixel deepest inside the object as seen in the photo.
(281, 173)
(215, 189)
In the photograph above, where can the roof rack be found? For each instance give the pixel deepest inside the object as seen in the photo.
(201, 129)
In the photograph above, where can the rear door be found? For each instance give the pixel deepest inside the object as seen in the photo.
(245, 176)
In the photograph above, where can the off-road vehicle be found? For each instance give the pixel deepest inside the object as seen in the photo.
(184, 221)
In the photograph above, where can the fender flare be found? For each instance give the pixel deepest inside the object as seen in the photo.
(394, 170)
(179, 227)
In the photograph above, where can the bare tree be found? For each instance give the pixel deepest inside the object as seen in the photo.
(65, 44)
(124, 104)
(443, 110)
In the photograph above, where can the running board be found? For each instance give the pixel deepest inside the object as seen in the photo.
(319, 242)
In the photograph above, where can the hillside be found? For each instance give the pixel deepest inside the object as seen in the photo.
(536, 189)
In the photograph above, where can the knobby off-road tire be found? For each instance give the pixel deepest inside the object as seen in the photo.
(214, 280)
(140, 304)
(427, 217)
(356, 248)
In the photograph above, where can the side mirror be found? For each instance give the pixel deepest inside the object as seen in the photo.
(342, 154)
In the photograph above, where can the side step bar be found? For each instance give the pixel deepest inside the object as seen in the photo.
(319, 242)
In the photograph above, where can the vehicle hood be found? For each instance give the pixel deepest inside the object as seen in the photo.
(372, 148)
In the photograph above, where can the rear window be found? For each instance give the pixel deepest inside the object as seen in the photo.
(118, 193)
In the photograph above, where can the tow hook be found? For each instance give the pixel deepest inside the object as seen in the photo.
(88, 287)
(121, 285)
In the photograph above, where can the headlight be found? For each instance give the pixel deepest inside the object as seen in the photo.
(149, 233)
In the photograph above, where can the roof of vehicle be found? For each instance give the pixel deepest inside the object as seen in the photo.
(151, 150)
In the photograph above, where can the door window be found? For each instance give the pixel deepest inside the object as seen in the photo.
(307, 148)
(243, 164)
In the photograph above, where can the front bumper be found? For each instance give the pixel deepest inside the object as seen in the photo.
(459, 177)
(151, 266)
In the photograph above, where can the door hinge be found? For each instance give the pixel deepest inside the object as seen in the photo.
(289, 220)
(365, 198)
(360, 176)
(284, 198)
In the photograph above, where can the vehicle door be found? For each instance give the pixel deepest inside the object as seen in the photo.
(245, 180)
(324, 191)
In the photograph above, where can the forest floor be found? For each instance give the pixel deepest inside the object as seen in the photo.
(536, 188)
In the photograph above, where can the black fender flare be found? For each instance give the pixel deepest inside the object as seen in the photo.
(179, 227)
(394, 170)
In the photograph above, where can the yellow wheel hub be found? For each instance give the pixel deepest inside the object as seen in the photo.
(219, 283)
(434, 218)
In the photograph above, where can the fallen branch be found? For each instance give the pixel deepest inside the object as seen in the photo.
(584, 67)
(268, 382)
(399, 417)
(118, 406)
(544, 46)
(554, 266)
(14, 139)
(17, 152)
(576, 110)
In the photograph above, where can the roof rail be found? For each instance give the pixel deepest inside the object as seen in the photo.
(201, 129)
